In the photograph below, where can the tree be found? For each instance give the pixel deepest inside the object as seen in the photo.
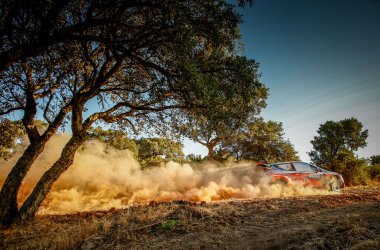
(139, 60)
(244, 100)
(154, 151)
(194, 158)
(203, 131)
(114, 138)
(38, 84)
(337, 141)
(261, 141)
(334, 148)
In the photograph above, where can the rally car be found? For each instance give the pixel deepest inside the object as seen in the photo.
(303, 173)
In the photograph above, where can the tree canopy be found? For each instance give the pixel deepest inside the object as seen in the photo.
(155, 151)
(261, 141)
(11, 132)
(31, 28)
(229, 110)
(336, 141)
(114, 138)
(148, 151)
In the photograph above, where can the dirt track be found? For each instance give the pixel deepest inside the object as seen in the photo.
(347, 221)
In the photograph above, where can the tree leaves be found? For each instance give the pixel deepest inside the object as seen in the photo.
(337, 140)
(155, 151)
(11, 133)
(261, 141)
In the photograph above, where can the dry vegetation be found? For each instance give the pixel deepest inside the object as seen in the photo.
(347, 221)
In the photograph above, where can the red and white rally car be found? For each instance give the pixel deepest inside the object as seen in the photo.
(296, 172)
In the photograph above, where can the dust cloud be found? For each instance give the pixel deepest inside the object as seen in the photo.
(103, 178)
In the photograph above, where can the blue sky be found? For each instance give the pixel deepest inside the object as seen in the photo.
(320, 60)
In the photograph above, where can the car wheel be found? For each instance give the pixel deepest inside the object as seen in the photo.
(336, 186)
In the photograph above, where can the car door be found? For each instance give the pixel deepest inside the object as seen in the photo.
(290, 172)
(307, 174)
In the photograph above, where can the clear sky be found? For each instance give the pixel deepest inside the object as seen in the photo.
(320, 60)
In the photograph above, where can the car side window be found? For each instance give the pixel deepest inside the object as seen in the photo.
(304, 167)
(285, 166)
(313, 169)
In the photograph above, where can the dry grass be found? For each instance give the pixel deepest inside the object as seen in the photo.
(347, 221)
(346, 234)
(60, 232)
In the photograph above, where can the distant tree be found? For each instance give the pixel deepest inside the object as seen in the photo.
(114, 138)
(148, 151)
(261, 141)
(336, 141)
(194, 158)
(223, 155)
(154, 151)
(11, 135)
(335, 146)
(245, 99)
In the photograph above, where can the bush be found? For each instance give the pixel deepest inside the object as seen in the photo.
(355, 172)
(169, 224)
(374, 172)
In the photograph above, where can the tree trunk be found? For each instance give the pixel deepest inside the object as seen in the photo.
(210, 151)
(11, 186)
(30, 207)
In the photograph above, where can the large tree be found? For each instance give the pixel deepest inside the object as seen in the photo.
(336, 141)
(38, 84)
(261, 141)
(138, 60)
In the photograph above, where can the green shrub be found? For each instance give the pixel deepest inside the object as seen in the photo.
(355, 172)
(374, 172)
(169, 224)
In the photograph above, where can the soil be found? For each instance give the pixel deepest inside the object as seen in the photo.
(350, 220)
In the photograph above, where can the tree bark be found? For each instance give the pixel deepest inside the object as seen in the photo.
(11, 186)
(30, 207)
(210, 148)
